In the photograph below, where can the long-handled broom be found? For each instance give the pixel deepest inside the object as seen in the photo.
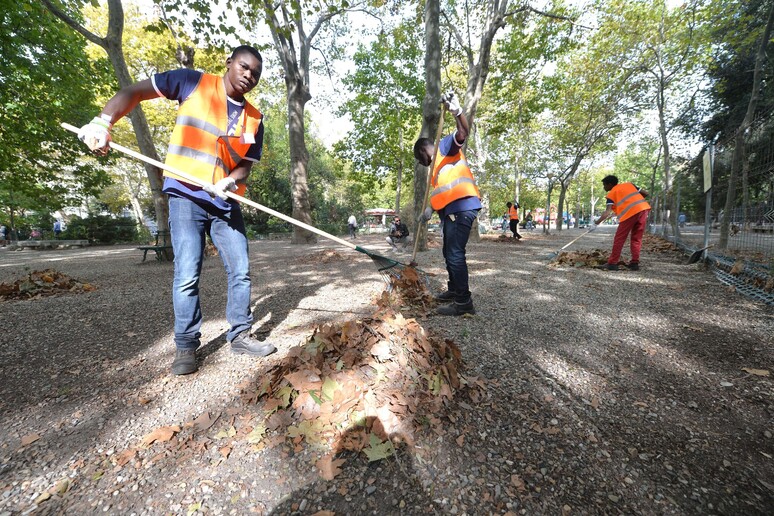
(388, 268)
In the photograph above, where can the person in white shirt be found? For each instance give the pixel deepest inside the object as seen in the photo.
(352, 224)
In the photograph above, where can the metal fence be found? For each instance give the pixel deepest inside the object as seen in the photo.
(743, 251)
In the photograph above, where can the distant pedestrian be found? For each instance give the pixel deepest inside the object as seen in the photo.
(505, 222)
(399, 233)
(352, 225)
(57, 228)
(628, 202)
(681, 220)
(3, 235)
(513, 215)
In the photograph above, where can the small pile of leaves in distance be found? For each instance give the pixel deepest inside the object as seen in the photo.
(363, 385)
(409, 292)
(657, 244)
(581, 258)
(38, 284)
(504, 239)
(324, 256)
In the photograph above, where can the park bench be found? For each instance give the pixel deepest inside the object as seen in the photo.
(156, 248)
(46, 244)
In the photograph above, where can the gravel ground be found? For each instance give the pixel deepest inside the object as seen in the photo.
(606, 392)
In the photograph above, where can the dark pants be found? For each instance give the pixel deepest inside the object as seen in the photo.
(636, 226)
(515, 228)
(352, 229)
(455, 238)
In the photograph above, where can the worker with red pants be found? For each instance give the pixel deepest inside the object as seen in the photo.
(513, 215)
(455, 196)
(628, 202)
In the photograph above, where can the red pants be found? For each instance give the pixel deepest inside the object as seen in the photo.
(636, 226)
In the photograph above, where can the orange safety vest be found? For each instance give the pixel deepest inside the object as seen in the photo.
(200, 145)
(513, 213)
(627, 201)
(451, 180)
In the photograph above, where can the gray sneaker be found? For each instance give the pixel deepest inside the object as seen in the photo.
(246, 344)
(185, 362)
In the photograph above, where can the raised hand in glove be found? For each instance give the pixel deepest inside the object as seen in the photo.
(426, 214)
(592, 226)
(219, 189)
(96, 135)
(452, 104)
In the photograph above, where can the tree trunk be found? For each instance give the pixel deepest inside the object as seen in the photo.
(299, 159)
(740, 135)
(431, 112)
(113, 45)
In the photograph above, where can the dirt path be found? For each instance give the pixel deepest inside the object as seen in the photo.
(606, 392)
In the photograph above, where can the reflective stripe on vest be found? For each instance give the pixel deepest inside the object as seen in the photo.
(627, 201)
(199, 144)
(451, 180)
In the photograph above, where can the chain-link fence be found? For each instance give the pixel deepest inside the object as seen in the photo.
(736, 216)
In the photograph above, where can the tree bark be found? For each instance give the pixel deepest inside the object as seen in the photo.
(740, 134)
(431, 112)
(113, 46)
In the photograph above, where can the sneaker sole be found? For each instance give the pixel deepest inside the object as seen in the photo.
(264, 353)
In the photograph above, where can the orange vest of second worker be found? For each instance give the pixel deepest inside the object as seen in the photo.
(451, 180)
(627, 201)
(513, 213)
(200, 145)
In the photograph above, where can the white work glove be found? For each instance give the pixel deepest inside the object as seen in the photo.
(426, 214)
(219, 189)
(96, 135)
(593, 226)
(452, 104)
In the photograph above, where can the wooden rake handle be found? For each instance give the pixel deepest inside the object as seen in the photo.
(438, 134)
(196, 181)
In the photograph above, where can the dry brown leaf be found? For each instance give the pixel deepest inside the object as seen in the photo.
(460, 440)
(29, 439)
(756, 372)
(162, 434)
(225, 451)
(737, 268)
(204, 421)
(329, 467)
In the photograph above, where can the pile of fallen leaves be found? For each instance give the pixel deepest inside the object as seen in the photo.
(408, 291)
(581, 258)
(364, 385)
(38, 284)
(325, 256)
(501, 239)
(657, 244)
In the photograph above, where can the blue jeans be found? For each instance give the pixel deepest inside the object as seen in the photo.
(455, 237)
(188, 224)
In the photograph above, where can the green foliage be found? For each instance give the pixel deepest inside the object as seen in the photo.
(387, 90)
(42, 73)
(101, 229)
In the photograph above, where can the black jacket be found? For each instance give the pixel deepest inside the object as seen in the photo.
(398, 230)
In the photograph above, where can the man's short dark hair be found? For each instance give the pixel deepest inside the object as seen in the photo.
(421, 143)
(247, 49)
(610, 180)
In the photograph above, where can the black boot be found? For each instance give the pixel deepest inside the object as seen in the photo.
(456, 309)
